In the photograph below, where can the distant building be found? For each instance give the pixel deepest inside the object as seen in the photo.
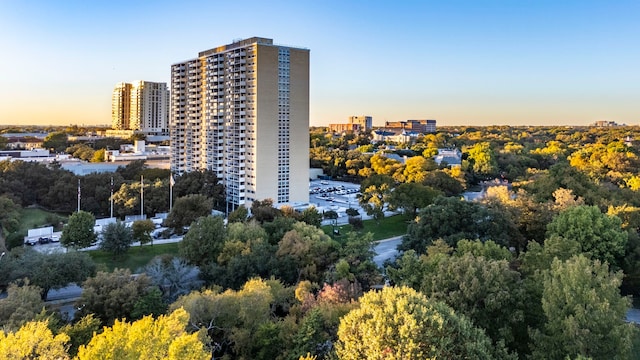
(23, 143)
(451, 157)
(141, 106)
(365, 122)
(421, 126)
(605, 123)
(341, 128)
(394, 135)
(242, 111)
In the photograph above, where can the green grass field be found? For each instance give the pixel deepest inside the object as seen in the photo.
(388, 227)
(35, 218)
(134, 259)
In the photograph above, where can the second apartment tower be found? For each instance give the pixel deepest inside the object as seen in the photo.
(242, 111)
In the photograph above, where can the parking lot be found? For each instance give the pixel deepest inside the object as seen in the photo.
(334, 195)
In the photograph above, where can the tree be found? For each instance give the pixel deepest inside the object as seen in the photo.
(482, 159)
(412, 196)
(204, 241)
(232, 319)
(142, 231)
(352, 212)
(584, 313)
(162, 338)
(48, 271)
(132, 170)
(311, 250)
(599, 235)
(57, 141)
(375, 192)
(263, 211)
(9, 219)
(186, 210)
(453, 219)
(203, 182)
(173, 276)
(80, 332)
(22, 304)
(78, 233)
(111, 296)
(481, 289)
(400, 323)
(311, 216)
(240, 214)
(116, 238)
(442, 181)
(34, 340)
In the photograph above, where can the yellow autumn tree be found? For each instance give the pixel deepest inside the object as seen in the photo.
(162, 338)
(34, 340)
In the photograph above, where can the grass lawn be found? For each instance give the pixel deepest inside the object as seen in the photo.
(34, 218)
(388, 227)
(135, 258)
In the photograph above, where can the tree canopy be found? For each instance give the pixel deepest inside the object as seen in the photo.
(78, 233)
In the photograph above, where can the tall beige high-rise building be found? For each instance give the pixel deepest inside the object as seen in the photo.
(141, 106)
(365, 122)
(242, 110)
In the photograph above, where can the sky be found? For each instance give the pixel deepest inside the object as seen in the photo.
(461, 62)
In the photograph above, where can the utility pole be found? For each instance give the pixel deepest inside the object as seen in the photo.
(171, 183)
(79, 195)
(141, 195)
(111, 197)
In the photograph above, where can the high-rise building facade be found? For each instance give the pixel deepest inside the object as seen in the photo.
(242, 111)
(365, 122)
(141, 106)
(121, 106)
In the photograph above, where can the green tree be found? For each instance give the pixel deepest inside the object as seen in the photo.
(9, 219)
(232, 319)
(34, 340)
(412, 196)
(400, 323)
(263, 211)
(80, 332)
(186, 210)
(599, 235)
(116, 238)
(481, 289)
(310, 249)
(48, 271)
(202, 182)
(204, 241)
(452, 219)
(375, 192)
(142, 231)
(78, 233)
(240, 214)
(22, 304)
(163, 338)
(111, 296)
(311, 216)
(57, 141)
(584, 313)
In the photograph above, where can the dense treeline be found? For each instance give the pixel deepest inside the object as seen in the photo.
(538, 267)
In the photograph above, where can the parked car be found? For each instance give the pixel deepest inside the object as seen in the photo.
(44, 240)
(31, 242)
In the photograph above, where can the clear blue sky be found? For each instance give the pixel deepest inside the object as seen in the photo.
(477, 62)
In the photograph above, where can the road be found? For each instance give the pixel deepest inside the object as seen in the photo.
(386, 250)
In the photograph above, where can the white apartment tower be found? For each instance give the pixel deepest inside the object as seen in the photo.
(242, 110)
(142, 106)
